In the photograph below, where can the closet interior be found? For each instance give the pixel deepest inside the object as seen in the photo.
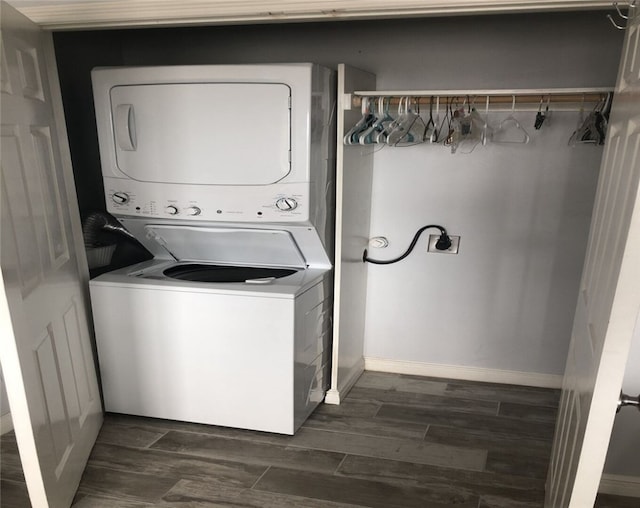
(499, 310)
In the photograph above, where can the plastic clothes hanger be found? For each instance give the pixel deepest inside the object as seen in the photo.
(509, 131)
(431, 131)
(487, 131)
(387, 124)
(352, 136)
(469, 128)
(540, 116)
(454, 131)
(593, 128)
(372, 134)
(410, 127)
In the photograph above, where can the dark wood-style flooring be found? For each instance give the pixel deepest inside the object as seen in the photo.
(396, 441)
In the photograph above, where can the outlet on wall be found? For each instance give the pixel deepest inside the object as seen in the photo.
(433, 239)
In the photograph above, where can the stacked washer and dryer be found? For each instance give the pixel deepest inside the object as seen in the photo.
(225, 174)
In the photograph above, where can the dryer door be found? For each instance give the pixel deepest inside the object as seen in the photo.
(202, 133)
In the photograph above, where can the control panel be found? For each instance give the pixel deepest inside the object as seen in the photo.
(273, 203)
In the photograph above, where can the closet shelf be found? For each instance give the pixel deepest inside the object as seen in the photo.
(562, 98)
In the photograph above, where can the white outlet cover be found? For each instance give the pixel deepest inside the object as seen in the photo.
(455, 244)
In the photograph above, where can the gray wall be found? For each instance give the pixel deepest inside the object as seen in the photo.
(506, 301)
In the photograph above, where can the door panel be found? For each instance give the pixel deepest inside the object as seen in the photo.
(608, 302)
(45, 338)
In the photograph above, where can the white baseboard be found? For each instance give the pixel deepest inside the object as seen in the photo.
(620, 485)
(6, 423)
(335, 395)
(510, 377)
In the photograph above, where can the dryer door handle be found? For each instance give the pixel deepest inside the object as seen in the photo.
(125, 127)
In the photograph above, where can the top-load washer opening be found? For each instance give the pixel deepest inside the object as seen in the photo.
(196, 272)
(217, 254)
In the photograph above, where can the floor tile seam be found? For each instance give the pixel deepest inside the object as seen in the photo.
(443, 411)
(444, 398)
(479, 489)
(388, 439)
(110, 498)
(472, 434)
(418, 437)
(249, 462)
(154, 441)
(107, 495)
(128, 471)
(513, 395)
(496, 434)
(260, 478)
(370, 456)
(499, 451)
(471, 426)
(337, 469)
(457, 411)
(248, 439)
(299, 497)
(213, 461)
(519, 402)
(252, 439)
(428, 490)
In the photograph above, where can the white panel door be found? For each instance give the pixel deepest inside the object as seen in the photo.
(45, 343)
(608, 303)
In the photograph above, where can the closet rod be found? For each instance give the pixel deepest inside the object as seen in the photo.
(502, 97)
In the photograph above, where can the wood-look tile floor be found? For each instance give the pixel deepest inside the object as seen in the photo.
(396, 441)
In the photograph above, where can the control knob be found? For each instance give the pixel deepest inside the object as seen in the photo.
(171, 210)
(194, 210)
(120, 197)
(286, 204)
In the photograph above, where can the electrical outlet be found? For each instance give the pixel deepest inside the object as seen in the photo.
(433, 239)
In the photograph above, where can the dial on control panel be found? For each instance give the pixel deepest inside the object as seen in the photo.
(171, 210)
(193, 210)
(286, 204)
(120, 197)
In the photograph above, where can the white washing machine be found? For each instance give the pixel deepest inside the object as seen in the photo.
(225, 174)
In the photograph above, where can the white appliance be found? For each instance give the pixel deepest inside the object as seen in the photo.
(225, 174)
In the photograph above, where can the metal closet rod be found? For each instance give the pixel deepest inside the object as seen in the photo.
(502, 97)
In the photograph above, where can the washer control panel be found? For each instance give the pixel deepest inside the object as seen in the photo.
(278, 202)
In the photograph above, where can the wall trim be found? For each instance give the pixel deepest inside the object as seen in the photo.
(335, 396)
(66, 14)
(6, 423)
(510, 377)
(620, 485)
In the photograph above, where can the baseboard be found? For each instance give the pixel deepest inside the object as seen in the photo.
(6, 423)
(620, 485)
(334, 396)
(510, 377)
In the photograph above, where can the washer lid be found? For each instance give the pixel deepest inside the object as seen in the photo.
(231, 246)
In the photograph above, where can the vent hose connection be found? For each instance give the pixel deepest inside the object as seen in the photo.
(97, 222)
